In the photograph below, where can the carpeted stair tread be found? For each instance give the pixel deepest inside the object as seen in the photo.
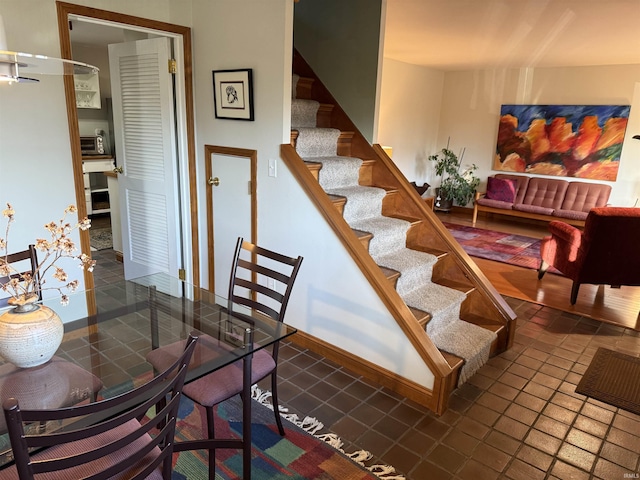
(317, 142)
(443, 303)
(304, 113)
(414, 267)
(337, 171)
(387, 232)
(362, 202)
(405, 258)
(466, 340)
(339, 175)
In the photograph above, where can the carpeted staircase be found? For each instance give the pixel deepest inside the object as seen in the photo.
(339, 176)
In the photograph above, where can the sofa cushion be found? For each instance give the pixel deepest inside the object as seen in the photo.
(583, 196)
(502, 189)
(546, 193)
(521, 187)
(570, 214)
(523, 207)
(487, 202)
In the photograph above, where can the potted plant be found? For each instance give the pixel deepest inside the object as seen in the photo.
(30, 333)
(455, 187)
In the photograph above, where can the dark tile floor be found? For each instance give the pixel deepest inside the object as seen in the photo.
(517, 418)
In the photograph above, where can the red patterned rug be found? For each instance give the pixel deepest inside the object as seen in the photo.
(305, 452)
(517, 250)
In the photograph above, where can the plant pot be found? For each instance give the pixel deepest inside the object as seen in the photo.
(30, 335)
(442, 204)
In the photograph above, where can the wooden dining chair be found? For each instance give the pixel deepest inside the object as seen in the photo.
(261, 282)
(18, 261)
(104, 439)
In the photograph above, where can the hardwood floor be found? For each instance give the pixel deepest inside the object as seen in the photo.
(616, 306)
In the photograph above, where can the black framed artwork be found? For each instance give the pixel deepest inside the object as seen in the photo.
(233, 94)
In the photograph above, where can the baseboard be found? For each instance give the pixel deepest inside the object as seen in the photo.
(373, 372)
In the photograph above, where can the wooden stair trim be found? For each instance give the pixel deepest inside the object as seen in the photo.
(454, 361)
(378, 169)
(339, 202)
(380, 283)
(361, 148)
(314, 168)
(478, 278)
(323, 117)
(411, 390)
(303, 88)
(391, 274)
(422, 317)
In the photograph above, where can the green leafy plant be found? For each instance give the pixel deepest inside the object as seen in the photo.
(455, 186)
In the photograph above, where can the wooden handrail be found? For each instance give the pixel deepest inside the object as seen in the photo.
(397, 307)
(458, 270)
(477, 277)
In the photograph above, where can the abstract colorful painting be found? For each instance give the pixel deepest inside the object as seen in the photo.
(564, 140)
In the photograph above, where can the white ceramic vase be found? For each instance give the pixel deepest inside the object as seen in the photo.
(30, 335)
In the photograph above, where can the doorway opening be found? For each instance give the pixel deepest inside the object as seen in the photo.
(87, 31)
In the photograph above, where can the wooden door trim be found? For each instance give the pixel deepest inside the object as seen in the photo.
(64, 10)
(252, 155)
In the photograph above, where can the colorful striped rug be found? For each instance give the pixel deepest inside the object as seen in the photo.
(303, 453)
(518, 250)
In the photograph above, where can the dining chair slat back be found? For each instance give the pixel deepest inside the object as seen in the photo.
(121, 436)
(18, 268)
(250, 287)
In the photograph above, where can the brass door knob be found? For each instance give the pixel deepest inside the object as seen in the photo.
(118, 170)
(215, 181)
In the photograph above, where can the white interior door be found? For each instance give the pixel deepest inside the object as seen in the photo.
(144, 124)
(231, 213)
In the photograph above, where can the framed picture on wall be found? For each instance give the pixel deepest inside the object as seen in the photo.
(233, 94)
(583, 141)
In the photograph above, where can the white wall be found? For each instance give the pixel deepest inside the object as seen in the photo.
(331, 299)
(35, 156)
(472, 99)
(467, 112)
(340, 41)
(410, 104)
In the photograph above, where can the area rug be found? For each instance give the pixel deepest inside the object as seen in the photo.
(100, 238)
(303, 453)
(612, 377)
(518, 250)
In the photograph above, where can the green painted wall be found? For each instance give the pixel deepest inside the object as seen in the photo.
(340, 39)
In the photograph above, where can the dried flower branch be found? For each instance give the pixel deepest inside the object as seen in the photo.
(24, 286)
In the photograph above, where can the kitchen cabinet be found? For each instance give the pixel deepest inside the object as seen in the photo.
(114, 200)
(96, 188)
(87, 89)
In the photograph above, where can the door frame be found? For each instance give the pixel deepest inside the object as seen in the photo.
(185, 115)
(252, 155)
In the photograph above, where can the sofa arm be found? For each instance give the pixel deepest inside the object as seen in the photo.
(565, 232)
(478, 195)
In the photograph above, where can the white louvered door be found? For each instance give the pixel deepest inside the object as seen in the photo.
(144, 127)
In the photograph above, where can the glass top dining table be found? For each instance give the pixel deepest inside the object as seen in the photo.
(109, 331)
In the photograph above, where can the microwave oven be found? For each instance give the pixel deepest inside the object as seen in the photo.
(92, 145)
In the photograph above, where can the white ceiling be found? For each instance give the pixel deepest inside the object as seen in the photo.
(94, 34)
(468, 34)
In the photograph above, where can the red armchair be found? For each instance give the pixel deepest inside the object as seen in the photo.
(607, 252)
